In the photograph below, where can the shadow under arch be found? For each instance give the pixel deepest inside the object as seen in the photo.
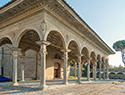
(6, 44)
(21, 34)
(6, 40)
(73, 56)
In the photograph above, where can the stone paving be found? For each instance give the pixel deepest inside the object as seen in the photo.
(57, 88)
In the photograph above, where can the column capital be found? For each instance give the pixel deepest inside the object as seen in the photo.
(15, 52)
(66, 50)
(16, 49)
(79, 55)
(42, 42)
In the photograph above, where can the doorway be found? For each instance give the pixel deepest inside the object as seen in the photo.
(56, 70)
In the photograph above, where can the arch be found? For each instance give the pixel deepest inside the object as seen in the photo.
(60, 34)
(56, 36)
(98, 57)
(75, 44)
(93, 56)
(75, 51)
(103, 60)
(112, 75)
(8, 38)
(85, 53)
(20, 35)
(73, 40)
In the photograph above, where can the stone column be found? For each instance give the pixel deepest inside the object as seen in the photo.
(107, 70)
(65, 81)
(95, 66)
(88, 70)
(79, 70)
(22, 67)
(15, 59)
(103, 71)
(43, 52)
(100, 66)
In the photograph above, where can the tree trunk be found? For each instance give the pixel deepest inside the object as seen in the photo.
(123, 56)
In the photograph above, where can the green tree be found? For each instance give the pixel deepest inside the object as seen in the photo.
(120, 46)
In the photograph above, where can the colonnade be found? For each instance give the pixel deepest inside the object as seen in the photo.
(43, 51)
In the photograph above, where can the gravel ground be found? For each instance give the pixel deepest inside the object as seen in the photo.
(57, 88)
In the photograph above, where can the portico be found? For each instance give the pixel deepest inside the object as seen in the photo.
(43, 37)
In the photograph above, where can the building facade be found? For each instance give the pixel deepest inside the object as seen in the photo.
(42, 37)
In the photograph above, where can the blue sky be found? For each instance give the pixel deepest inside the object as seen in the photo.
(106, 17)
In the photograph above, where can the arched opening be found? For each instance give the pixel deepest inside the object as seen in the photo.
(55, 62)
(112, 75)
(92, 64)
(120, 75)
(84, 62)
(6, 59)
(73, 58)
(29, 55)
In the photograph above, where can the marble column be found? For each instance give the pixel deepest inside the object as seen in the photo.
(88, 70)
(15, 60)
(95, 66)
(43, 52)
(65, 81)
(79, 70)
(103, 71)
(22, 67)
(100, 67)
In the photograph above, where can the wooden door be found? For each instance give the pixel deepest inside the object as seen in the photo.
(57, 70)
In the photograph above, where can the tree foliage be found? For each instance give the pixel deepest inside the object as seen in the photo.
(120, 46)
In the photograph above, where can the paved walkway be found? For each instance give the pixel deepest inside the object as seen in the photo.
(57, 88)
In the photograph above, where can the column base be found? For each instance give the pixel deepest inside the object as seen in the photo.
(22, 80)
(66, 83)
(79, 82)
(107, 79)
(88, 80)
(100, 78)
(15, 84)
(42, 87)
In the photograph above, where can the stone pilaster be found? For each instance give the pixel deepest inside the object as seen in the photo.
(43, 52)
